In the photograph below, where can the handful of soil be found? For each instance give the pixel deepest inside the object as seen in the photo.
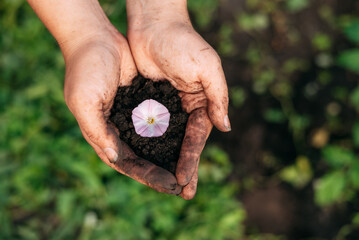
(164, 150)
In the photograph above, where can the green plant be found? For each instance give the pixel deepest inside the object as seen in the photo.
(342, 180)
(350, 58)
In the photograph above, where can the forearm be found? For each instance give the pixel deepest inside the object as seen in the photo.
(72, 21)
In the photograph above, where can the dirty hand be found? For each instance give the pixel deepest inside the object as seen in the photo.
(98, 60)
(165, 46)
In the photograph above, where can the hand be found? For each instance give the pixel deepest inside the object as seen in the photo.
(98, 60)
(94, 70)
(165, 46)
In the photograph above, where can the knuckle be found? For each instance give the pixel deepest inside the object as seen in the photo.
(69, 99)
(71, 96)
(216, 59)
(212, 58)
(72, 101)
(92, 136)
(75, 99)
(183, 178)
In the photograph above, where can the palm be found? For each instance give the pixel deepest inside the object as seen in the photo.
(177, 53)
(93, 74)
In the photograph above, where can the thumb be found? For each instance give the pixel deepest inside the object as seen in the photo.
(216, 91)
(98, 133)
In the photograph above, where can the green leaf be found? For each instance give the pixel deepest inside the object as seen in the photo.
(215, 164)
(203, 11)
(356, 134)
(299, 174)
(353, 174)
(321, 42)
(249, 22)
(27, 233)
(355, 219)
(296, 5)
(330, 188)
(349, 59)
(65, 203)
(299, 122)
(237, 96)
(274, 115)
(352, 31)
(354, 98)
(338, 157)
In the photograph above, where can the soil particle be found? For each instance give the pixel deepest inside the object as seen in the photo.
(162, 151)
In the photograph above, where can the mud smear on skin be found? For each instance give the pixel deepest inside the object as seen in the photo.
(162, 151)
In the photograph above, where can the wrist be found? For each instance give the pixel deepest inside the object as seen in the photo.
(107, 35)
(87, 28)
(142, 13)
(73, 22)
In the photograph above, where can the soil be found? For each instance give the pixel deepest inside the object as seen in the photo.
(162, 151)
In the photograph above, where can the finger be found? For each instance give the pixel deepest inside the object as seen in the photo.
(92, 122)
(97, 149)
(192, 101)
(189, 191)
(140, 170)
(215, 88)
(198, 129)
(146, 172)
(128, 65)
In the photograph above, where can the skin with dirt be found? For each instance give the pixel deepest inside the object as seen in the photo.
(164, 150)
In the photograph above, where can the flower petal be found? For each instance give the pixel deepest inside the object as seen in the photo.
(138, 112)
(141, 127)
(162, 126)
(150, 109)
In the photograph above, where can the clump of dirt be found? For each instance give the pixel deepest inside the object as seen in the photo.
(162, 151)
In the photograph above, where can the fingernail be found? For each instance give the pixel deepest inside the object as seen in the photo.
(227, 124)
(178, 190)
(111, 154)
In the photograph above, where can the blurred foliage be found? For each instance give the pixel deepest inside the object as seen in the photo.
(300, 63)
(237, 96)
(301, 79)
(350, 58)
(296, 5)
(298, 174)
(341, 182)
(202, 11)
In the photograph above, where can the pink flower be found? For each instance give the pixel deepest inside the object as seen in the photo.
(150, 118)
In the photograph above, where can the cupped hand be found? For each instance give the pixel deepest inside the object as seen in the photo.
(165, 46)
(95, 68)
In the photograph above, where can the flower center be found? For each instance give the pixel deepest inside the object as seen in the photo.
(150, 120)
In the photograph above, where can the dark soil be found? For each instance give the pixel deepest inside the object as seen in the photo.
(162, 151)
